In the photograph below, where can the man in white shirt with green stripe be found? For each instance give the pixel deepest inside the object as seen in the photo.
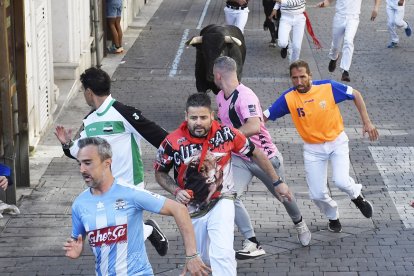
(123, 127)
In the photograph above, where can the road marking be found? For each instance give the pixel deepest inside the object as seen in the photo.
(184, 38)
(396, 166)
(203, 14)
(180, 51)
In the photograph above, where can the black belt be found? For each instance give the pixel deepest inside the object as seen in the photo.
(235, 8)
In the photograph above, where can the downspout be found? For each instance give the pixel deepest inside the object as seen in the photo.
(95, 21)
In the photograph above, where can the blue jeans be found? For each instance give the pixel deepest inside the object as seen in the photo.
(243, 172)
(113, 8)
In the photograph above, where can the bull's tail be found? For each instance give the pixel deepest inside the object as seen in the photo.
(311, 33)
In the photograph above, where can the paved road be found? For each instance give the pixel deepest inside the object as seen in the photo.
(155, 77)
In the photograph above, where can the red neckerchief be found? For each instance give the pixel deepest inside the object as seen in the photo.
(202, 140)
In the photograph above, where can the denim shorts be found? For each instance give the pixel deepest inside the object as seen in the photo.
(113, 8)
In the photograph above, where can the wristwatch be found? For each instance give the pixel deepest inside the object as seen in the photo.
(67, 145)
(275, 184)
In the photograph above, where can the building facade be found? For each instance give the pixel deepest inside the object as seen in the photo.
(49, 44)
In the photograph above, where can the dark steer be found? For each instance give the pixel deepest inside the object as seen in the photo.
(215, 41)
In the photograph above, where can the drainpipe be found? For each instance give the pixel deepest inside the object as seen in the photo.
(95, 20)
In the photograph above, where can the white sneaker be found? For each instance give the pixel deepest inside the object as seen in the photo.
(304, 235)
(250, 250)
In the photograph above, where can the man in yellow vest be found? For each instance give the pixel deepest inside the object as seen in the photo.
(313, 106)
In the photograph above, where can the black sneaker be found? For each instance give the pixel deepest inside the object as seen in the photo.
(157, 238)
(332, 65)
(283, 52)
(250, 250)
(408, 29)
(345, 76)
(334, 226)
(364, 206)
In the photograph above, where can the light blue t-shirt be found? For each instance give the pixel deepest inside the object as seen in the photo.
(112, 225)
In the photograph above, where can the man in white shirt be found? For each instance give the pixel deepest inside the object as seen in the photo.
(344, 27)
(395, 15)
(123, 127)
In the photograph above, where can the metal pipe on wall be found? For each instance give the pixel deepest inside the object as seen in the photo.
(95, 20)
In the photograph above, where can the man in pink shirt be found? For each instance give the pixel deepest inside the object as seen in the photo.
(240, 108)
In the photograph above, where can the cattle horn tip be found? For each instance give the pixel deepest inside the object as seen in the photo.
(232, 39)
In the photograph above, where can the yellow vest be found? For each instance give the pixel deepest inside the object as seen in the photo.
(315, 114)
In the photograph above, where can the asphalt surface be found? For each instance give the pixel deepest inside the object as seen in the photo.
(156, 74)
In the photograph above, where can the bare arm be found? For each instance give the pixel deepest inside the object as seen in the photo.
(251, 127)
(165, 181)
(194, 265)
(263, 162)
(368, 127)
(375, 10)
(64, 136)
(168, 183)
(73, 247)
(324, 3)
(4, 182)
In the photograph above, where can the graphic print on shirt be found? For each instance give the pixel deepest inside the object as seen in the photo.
(204, 171)
(205, 179)
(233, 116)
(108, 235)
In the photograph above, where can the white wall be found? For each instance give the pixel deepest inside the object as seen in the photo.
(40, 86)
(130, 10)
(57, 55)
(71, 38)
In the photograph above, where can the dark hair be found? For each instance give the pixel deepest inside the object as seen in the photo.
(96, 80)
(198, 100)
(225, 63)
(104, 148)
(299, 64)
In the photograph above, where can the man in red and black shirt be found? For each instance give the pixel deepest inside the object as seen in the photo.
(200, 153)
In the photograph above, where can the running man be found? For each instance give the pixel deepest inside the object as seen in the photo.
(314, 108)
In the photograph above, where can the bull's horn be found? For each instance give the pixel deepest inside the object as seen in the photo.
(232, 39)
(195, 40)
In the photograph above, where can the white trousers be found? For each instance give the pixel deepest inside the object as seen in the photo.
(147, 231)
(236, 17)
(395, 15)
(214, 234)
(316, 158)
(344, 28)
(296, 24)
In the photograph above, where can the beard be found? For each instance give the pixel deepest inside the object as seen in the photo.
(199, 132)
(303, 88)
(90, 181)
